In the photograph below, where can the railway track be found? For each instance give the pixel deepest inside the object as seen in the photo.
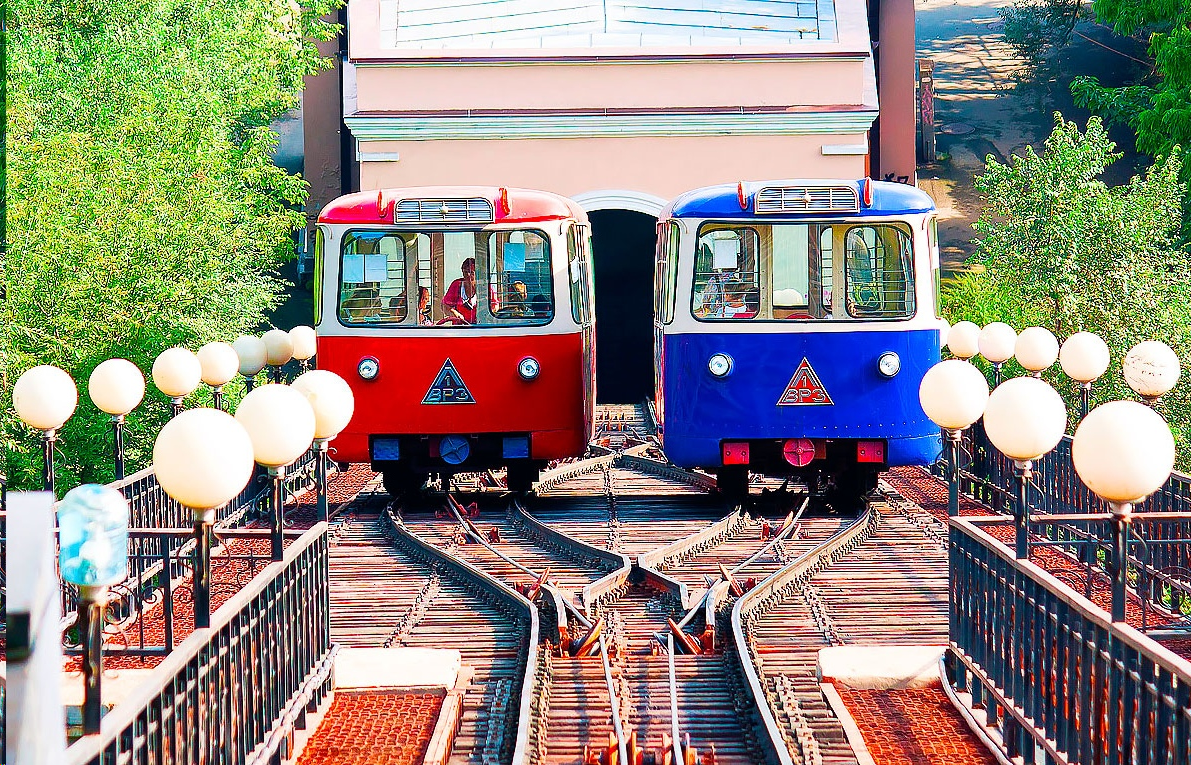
(894, 555)
(388, 589)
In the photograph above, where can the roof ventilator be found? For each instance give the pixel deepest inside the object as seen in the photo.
(477, 210)
(807, 199)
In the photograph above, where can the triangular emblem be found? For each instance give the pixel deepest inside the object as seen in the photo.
(448, 388)
(804, 388)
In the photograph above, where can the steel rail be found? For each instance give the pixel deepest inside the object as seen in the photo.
(675, 731)
(808, 563)
(653, 561)
(483, 580)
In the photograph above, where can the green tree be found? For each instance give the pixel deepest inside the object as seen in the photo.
(1159, 108)
(1063, 250)
(144, 210)
(1037, 28)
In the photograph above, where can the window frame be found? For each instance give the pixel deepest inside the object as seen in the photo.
(839, 270)
(911, 290)
(749, 226)
(409, 321)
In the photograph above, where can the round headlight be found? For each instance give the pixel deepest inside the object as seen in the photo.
(529, 368)
(368, 368)
(720, 364)
(889, 364)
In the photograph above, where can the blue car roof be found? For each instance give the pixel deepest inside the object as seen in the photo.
(724, 202)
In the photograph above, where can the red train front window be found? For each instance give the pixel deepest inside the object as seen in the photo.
(480, 277)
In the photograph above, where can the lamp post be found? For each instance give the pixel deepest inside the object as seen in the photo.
(1036, 350)
(305, 344)
(1123, 451)
(202, 458)
(44, 398)
(92, 555)
(953, 394)
(280, 423)
(117, 387)
(251, 351)
(176, 373)
(333, 403)
(997, 341)
(1084, 357)
(963, 340)
(1025, 418)
(1151, 368)
(279, 349)
(220, 363)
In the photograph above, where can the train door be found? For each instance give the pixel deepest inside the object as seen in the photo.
(582, 302)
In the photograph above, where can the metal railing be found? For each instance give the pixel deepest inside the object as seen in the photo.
(231, 693)
(1160, 550)
(1060, 680)
(151, 554)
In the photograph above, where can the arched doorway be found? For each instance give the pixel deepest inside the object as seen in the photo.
(623, 244)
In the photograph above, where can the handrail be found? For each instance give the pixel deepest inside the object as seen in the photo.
(1038, 649)
(122, 727)
(490, 583)
(771, 587)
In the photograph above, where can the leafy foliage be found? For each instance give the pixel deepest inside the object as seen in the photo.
(1037, 28)
(1158, 110)
(144, 210)
(1063, 250)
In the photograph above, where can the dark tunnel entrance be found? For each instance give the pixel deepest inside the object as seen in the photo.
(623, 244)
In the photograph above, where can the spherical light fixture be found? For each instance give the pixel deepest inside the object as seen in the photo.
(963, 340)
(279, 348)
(44, 397)
(251, 351)
(1151, 368)
(330, 398)
(1123, 451)
(220, 363)
(116, 386)
(203, 459)
(305, 343)
(1025, 418)
(1036, 349)
(176, 373)
(280, 422)
(996, 342)
(333, 403)
(953, 394)
(1084, 357)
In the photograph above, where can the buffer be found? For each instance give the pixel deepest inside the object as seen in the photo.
(805, 388)
(448, 388)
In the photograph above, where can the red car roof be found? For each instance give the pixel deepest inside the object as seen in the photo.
(524, 205)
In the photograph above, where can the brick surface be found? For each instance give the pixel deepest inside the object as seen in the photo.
(914, 727)
(375, 727)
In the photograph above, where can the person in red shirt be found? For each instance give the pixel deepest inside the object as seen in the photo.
(461, 298)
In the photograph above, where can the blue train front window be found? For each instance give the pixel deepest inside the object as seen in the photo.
(797, 271)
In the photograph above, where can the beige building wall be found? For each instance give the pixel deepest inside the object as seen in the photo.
(654, 166)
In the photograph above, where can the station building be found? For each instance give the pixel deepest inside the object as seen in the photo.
(619, 104)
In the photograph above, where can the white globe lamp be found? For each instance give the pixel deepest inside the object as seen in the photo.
(251, 351)
(280, 422)
(963, 340)
(279, 349)
(44, 397)
(1025, 418)
(1123, 451)
(1036, 349)
(176, 373)
(1084, 357)
(333, 403)
(953, 394)
(220, 364)
(305, 344)
(1151, 368)
(997, 341)
(203, 459)
(117, 387)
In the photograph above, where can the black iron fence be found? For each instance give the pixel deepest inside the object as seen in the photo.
(1060, 681)
(1160, 551)
(156, 559)
(233, 692)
